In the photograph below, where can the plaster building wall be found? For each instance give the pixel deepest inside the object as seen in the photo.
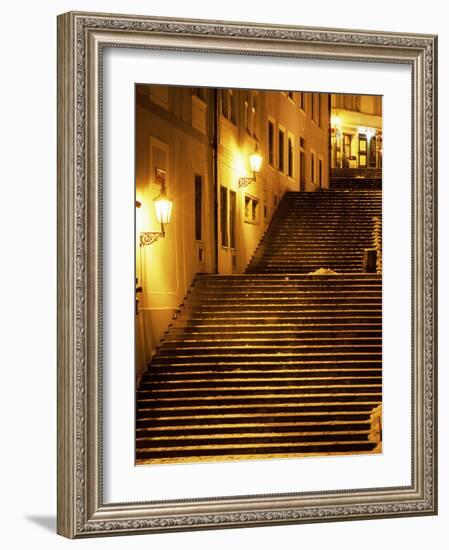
(175, 132)
(172, 135)
(283, 125)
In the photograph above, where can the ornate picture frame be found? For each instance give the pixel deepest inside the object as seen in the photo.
(82, 38)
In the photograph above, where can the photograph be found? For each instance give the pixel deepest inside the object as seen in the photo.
(246, 274)
(258, 330)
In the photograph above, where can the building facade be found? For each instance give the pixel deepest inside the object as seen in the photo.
(356, 132)
(197, 142)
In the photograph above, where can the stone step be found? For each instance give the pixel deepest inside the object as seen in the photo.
(249, 452)
(269, 408)
(225, 428)
(151, 381)
(224, 338)
(243, 305)
(262, 315)
(190, 327)
(274, 277)
(286, 287)
(303, 269)
(255, 392)
(228, 374)
(269, 291)
(146, 419)
(270, 438)
(236, 341)
(236, 360)
(273, 364)
(257, 296)
(219, 352)
(294, 281)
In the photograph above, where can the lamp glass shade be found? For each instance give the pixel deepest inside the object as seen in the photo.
(255, 161)
(163, 206)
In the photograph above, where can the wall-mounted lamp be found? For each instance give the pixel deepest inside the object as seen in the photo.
(335, 121)
(163, 207)
(255, 161)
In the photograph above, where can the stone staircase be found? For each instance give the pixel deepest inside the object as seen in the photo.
(275, 362)
(325, 229)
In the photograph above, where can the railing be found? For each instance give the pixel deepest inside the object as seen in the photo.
(377, 242)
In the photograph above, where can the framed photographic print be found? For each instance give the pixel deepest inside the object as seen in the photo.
(247, 274)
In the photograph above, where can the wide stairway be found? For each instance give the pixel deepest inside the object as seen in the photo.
(326, 229)
(275, 362)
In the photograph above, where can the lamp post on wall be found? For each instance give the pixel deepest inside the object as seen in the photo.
(163, 208)
(255, 161)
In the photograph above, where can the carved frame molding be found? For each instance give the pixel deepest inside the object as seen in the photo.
(81, 39)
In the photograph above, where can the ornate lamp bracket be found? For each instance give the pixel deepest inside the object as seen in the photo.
(243, 182)
(150, 237)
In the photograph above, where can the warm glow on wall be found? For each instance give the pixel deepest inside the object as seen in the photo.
(335, 121)
(162, 207)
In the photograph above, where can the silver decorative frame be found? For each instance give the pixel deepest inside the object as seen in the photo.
(81, 37)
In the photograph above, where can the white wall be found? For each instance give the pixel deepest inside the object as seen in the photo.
(28, 229)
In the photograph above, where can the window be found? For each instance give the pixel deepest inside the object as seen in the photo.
(309, 103)
(225, 103)
(312, 167)
(347, 101)
(372, 151)
(254, 210)
(265, 211)
(271, 143)
(247, 110)
(362, 150)
(347, 146)
(350, 102)
(302, 101)
(291, 96)
(290, 157)
(232, 218)
(199, 92)
(160, 95)
(228, 105)
(234, 262)
(247, 207)
(233, 107)
(378, 105)
(251, 209)
(251, 112)
(316, 114)
(255, 108)
(320, 172)
(281, 150)
(198, 207)
(224, 215)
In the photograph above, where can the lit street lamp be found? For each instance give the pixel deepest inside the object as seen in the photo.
(163, 207)
(255, 161)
